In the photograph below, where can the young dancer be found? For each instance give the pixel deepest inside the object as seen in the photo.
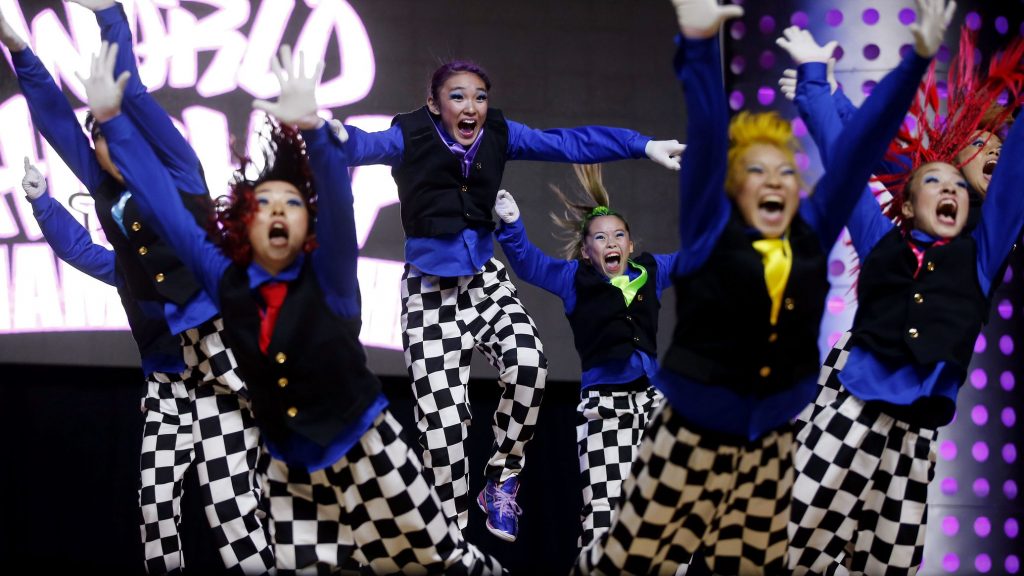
(612, 301)
(341, 481)
(447, 159)
(714, 469)
(225, 440)
(865, 460)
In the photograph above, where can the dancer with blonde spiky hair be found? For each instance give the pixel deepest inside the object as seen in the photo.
(611, 300)
(714, 470)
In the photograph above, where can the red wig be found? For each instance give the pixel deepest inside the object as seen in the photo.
(284, 159)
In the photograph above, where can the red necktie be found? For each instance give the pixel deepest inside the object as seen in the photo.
(273, 294)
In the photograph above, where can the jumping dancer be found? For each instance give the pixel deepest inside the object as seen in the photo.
(447, 159)
(714, 469)
(612, 301)
(225, 440)
(341, 482)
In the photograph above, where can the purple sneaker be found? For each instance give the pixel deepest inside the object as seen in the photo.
(499, 503)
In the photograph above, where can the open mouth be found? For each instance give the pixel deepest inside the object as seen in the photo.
(946, 211)
(612, 261)
(278, 234)
(772, 208)
(988, 167)
(466, 128)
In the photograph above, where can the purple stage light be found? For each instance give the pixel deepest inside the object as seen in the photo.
(951, 562)
(907, 16)
(947, 450)
(948, 486)
(973, 21)
(766, 95)
(982, 527)
(834, 17)
(980, 344)
(1011, 528)
(767, 60)
(905, 50)
(872, 51)
(799, 128)
(736, 100)
(1008, 416)
(1010, 489)
(1002, 25)
(738, 30)
(943, 54)
(983, 563)
(737, 64)
(1009, 453)
(1012, 564)
(1006, 380)
(836, 305)
(1005, 309)
(836, 267)
(1008, 275)
(833, 338)
(979, 415)
(803, 161)
(979, 378)
(980, 451)
(981, 487)
(870, 16)
(950, 525)
(800, 19)
(766, 24)
(1006, 344)
(867, 87)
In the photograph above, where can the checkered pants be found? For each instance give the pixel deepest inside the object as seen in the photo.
(227, 452)
(828, 380)
(443, 320)
(859, 500)
(375, 505)
(166, 455)
(688, 493)
(608, 432)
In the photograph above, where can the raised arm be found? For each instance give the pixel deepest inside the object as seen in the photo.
(50, 111)
(152, 186)
(865, 139)
(529, 262)
(589, 145)
(150, 119)
(67, 237)
(703, 206)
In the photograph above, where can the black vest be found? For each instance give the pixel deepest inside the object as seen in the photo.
(936, 316)
(436, 198)
(603, 327)
(313, 379)
(150, 331)
(150, 265)
(723, 333)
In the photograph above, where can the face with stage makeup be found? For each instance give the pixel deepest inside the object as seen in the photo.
(937, 203)
(607, 245)
(765, 186)
(978, 160)
(459, 95)
(279, 226)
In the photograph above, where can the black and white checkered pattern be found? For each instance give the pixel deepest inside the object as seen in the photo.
(687, 493)
(610, 426)
(443, 319)
(373, 505)
(166, 455)
(227, 452)
(828, 380)
(859, 499)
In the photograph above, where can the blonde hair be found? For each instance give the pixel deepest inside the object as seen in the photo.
(747, 129)
(574, 221)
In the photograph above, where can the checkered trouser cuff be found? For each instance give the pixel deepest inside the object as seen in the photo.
(687, 493)
(859, 500)
(165, 456)
(374, 505)
(610, 426)
(443, 320)
(828, 380)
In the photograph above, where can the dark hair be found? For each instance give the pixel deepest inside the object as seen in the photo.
(453, 67)
(579, 212)
(284, 159)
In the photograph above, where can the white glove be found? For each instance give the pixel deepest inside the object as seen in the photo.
(665, 152)
(297, 102)
(103, 93)
(933, 17)
(339, 129)
(787, 83)
(33, 183)
(702, 18)
(9, 37)
(94, 5)
(506, 207)
(802, 48)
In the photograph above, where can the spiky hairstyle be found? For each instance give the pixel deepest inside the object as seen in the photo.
(747, 129)
(579, 211)
(284, 159)
(978, 100)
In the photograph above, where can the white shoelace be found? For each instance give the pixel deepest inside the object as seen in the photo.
(506, 503)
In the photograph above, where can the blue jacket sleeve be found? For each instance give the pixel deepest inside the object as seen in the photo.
(150, 119)
(71, 242)
(1002, 214)
(336, 258)
(844, 107)
(160, 203)
(859, 148)
(584, 144)
(384, 147)
(534, 266)
(666, 264)
(703, 207)
(817, 107)
(56, 121)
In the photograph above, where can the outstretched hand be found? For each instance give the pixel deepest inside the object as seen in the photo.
(933, 18)
(103, 93)
(787, 83)
(94, 5)
(297, 102)
(506, 207)
(339, 129)
(802, 47)
(665, 152)
(9, 37)
(33, 183)
(702, 18)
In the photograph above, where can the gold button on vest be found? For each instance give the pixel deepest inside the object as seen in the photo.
(280, 357)
(159, 277)
(293, 411)
(136, 226)
(143, 250)
(282, 382)
(913, 333)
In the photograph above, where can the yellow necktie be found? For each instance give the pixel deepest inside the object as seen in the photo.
(777, 259)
